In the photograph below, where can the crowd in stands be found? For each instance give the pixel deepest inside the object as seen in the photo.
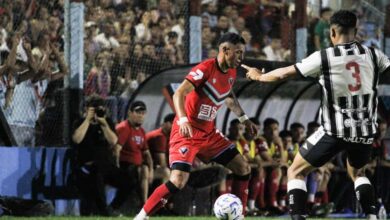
(127, 41)
(32, 64)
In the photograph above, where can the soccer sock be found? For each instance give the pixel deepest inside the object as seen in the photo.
(365, 195)
(254, 185)
(318, 197)
(282, 195)
(325, 197)
(159, 197)
(229, 183)
(297, 194)
(260, 196)
(240, 189)
(274, 188)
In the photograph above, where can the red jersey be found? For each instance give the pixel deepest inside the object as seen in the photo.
(157, 141)
(212, 87)
(132, 141)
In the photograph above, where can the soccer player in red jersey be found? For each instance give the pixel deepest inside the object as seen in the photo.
(196, 101)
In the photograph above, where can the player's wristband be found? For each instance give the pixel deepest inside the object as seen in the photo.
(243, 118)
(182, 120)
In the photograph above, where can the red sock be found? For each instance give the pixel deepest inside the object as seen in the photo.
(240, 189)
(260, 196)
(229, 183)
(254, 186)
(325, 197)
(273, 188)
(283, 194)
(318, 197)
(159, 197)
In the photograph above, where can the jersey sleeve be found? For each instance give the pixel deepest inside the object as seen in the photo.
(383, 61)
(122, 134)
(198, 75)
(310, 66)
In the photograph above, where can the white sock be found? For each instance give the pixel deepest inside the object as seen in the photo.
(141, 215)
(251, 204)
(371, 217)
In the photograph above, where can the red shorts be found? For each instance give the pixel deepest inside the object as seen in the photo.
(205, 146)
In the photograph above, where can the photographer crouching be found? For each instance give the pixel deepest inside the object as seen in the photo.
(94, 141)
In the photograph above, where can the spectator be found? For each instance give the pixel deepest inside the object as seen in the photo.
(321, 30)
(94, 142)
(274, 50)
(175, 51)
(158, 142)
(211, 14)
(222, 26)
(238, 25)
(120, 78)
(106, 39)
(179, 28)
(278, 153)
(381, 152)
(24, 101)
(91, 47)
(99, 79)
(142, 29)
(135, 157)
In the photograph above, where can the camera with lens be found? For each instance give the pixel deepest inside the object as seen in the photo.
(100, 112)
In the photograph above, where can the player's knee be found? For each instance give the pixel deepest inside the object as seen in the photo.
(293, 173)
(243, 169)
(179, 183)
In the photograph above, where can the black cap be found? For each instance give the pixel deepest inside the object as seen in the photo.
(138, 106)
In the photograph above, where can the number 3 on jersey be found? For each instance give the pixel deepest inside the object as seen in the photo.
(356, 75)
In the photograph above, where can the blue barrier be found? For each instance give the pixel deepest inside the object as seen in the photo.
(39, 173)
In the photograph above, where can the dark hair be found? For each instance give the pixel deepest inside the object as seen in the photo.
(94, 100)
(345, 19)
(296, 125)
(231, 38)
(172, 34)
(169, 117)
(270, 121)
(324, 10)
(255, 120)
(313, 124)
(234, 122)
(285, 133)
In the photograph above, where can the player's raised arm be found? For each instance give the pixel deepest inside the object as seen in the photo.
(178, 101)
(274, 75)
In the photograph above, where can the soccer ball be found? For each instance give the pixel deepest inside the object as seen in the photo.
(228, 207)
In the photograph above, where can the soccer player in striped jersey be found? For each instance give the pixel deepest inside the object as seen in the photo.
(348, 73)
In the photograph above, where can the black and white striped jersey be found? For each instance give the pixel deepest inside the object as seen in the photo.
(348, 75)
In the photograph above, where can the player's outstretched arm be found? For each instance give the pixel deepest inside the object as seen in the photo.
(274, 75)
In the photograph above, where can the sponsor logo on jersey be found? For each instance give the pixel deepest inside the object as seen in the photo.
(358, 140)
